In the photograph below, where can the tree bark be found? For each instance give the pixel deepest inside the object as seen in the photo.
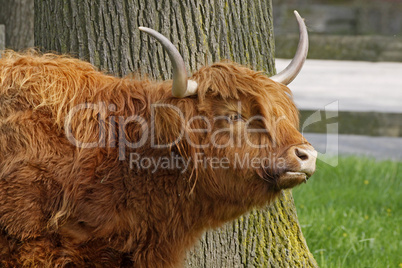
(106, 34)
(2, 38)
(268, 237)
(18, 18)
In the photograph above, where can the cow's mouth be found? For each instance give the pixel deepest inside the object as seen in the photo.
(291, 179)
(285, 179)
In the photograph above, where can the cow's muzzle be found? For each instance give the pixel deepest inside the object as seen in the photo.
(306, 156)
(300, 165)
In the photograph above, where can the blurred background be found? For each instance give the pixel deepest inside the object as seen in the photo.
(354, 68)
(342, 29)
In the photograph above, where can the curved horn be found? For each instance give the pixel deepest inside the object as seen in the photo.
(293, 69)
(181, 87)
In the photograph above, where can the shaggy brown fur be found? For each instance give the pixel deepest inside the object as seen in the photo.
(66, 206)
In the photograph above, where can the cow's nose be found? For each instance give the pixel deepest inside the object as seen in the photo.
(307, 157)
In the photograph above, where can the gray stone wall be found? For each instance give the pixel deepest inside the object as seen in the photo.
(343, 47)
(348, 30)
(368, 18)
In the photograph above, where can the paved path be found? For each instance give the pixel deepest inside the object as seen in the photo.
(381, 148)
(358, 86)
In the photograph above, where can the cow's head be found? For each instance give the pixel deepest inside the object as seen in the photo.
(244, 133)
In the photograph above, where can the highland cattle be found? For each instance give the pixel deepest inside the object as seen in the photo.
(101, 171)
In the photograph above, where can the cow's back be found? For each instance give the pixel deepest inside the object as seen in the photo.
(36, 158)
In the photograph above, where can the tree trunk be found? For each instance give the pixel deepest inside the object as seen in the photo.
(18, 17)
(268, 237)
(106, 34)
(2, 38)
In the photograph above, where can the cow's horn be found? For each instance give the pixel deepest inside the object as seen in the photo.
(181, 87)
(293, 69)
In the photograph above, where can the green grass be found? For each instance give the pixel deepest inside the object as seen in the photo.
(351, 215)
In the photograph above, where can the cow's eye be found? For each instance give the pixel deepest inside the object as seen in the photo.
(236, 117)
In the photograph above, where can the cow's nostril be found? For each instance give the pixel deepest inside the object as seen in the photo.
(306, 156)
(302, 154)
